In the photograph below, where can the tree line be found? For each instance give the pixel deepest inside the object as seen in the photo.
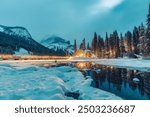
(132, 44)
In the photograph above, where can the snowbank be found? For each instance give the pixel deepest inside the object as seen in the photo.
(30, 83)
(138, 64)
(33, 82)
(76, 82)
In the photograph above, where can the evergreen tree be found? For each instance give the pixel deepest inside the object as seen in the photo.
(111, 46)
(100, 47)
(106, 45)
(75, 46)
(147, 46)
(81, 46)
(94, 44)
(88, 46)
(135, 40)
(122, 46)
(142, 40)
(129, 42)
(84, 44)
(116, 45)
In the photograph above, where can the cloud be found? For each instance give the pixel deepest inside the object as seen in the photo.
(103, 6)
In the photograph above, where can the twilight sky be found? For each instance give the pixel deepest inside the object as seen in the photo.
(73, 19)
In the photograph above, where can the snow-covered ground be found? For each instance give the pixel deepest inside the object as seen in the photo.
(138, 64)
(22, 52)
(28, 81)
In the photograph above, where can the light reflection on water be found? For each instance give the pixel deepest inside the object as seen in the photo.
(119, 81)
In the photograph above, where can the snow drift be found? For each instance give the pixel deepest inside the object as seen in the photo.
(39, 83)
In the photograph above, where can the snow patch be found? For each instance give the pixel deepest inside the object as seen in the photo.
(17, 31)
(21, 52)
(1, 29)
(138, 64)
(136, 80)
(76, 82)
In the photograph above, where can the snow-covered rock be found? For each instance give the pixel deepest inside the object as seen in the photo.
(136, 80)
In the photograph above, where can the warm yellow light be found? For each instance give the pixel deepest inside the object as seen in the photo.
(111, 52)
(70, 58)
(81, 55)
(30, 57)
(81, 65)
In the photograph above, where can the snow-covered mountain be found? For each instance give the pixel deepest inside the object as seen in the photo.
(15, 39)
(16, 31)
(58, 44)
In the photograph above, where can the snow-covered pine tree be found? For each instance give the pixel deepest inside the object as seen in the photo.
(147, 44)
(142, 39)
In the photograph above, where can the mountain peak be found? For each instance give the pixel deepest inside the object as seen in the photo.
(16, 31)
(14, 39)
(55, 42)
(54, 39)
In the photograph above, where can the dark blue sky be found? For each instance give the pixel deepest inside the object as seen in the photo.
(73, 19)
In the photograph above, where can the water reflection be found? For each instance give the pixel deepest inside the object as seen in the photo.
(85, 65)
(120, 81)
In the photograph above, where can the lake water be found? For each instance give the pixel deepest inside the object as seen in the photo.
(126, 83)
